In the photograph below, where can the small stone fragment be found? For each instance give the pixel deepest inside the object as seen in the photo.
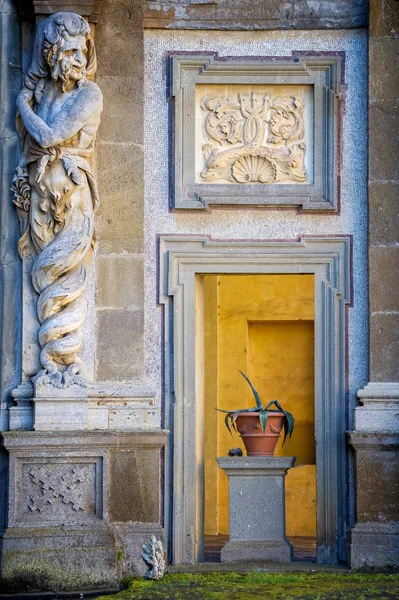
(154, 557)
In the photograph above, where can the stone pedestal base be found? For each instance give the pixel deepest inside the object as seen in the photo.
(375, 546)
(81, 504)
(255, 551)
(256, 509)
(375, 537)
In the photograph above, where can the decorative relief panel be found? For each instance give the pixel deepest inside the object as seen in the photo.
(255, 132)
(68, 486)
(60, 490)
(255, 135)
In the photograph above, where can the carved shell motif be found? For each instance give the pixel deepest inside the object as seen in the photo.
(254, 169)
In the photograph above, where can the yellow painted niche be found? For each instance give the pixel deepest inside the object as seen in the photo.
(263, 325)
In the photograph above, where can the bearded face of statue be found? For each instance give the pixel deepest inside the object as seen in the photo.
(68, 62)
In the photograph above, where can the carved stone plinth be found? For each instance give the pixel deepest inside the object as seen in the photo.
(77, 501)
(256, 509)
(375, 537)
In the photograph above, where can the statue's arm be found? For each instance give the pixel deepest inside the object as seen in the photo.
(67, 124)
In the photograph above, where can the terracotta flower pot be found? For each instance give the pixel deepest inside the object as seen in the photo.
(255, 441)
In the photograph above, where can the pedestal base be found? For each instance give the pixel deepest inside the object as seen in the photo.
(375, 537)
(80, 506)
(375, 546)
(253, 551)
(256, 509)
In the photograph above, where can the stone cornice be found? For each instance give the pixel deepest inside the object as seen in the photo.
(40, 440)
(48, 7)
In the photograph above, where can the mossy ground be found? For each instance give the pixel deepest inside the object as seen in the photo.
(258, 585)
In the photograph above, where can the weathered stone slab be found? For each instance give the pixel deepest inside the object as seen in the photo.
(256, 509)
(383, 126)
(60, 558)
(383, 212)
(384, 346)
(375, 545)
(119, 345)
(384, 18)
(120, 281)
(60, 414)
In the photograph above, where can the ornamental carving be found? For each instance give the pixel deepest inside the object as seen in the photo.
(54, 188)
(254, 138)
(54, 485)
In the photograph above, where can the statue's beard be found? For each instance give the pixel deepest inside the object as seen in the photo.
(66, 70)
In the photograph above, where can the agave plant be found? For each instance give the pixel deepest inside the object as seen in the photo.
(231, 415)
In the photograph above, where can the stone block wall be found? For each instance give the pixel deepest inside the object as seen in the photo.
(120, 169)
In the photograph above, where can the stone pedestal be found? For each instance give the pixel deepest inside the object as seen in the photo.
(375, 537)
(80, 506)
(256, 509)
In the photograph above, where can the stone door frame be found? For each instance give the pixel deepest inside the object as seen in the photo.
(182, 260)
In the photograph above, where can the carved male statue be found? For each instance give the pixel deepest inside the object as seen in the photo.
(54, 188)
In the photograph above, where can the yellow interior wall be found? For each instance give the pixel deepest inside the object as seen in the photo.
(263, 325)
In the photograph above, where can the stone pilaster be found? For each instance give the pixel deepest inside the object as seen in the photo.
(375, 538)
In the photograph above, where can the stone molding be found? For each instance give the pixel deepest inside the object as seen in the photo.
(108, 406)
(262, 465)
(323, 73)
(182, 262)
(380, 408)
(48, 7)
(40, 440)
(365, 440)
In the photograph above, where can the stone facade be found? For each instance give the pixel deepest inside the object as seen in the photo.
(92, 463)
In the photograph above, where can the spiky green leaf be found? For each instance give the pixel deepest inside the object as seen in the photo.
(226, 422)
(263, 420)
(289, 423)
(255, 393)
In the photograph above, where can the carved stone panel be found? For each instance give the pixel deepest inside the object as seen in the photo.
(60, 490)
(255, 132)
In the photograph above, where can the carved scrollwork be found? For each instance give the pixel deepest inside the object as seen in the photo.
(259, 139)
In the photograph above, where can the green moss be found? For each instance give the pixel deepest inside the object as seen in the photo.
(41, 571)
(258, 586)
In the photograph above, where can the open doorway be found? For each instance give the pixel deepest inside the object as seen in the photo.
(264, 326)
(183, 266)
